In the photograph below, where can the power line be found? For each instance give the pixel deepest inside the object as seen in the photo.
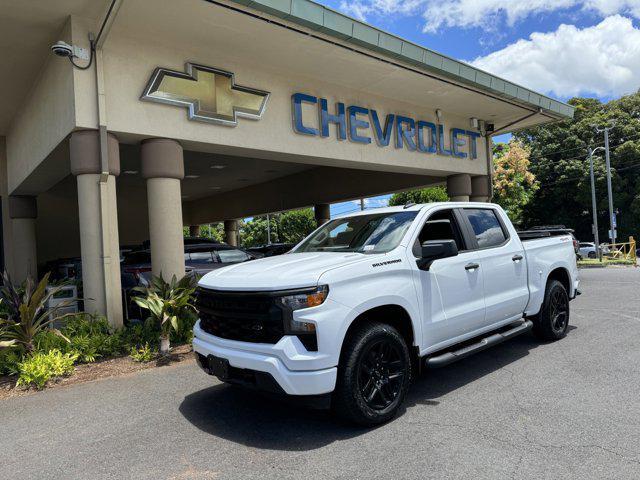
(550, 161)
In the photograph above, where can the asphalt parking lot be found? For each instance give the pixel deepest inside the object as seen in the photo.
(522, 410)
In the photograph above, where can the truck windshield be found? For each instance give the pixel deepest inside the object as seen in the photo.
(373, 233)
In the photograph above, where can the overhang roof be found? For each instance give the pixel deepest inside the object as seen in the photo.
(314, 16)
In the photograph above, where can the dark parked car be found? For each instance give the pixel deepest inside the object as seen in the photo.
(272, 249)
(199, 258)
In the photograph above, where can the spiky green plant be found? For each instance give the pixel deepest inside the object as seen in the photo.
(167, 302)
(27, 312)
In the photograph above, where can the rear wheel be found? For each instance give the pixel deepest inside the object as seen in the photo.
(373, 376)
(553, 320)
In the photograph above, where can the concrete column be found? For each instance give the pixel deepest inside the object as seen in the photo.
(231, 232)
(490, 165)
(459, 187)
(98, 217)
(194, 230)
(322, 212)
(480, 189)
(23, 212)
(163, 168)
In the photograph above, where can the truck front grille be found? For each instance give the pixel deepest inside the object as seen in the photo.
(247, 317)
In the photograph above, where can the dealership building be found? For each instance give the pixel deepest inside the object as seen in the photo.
(191, 112)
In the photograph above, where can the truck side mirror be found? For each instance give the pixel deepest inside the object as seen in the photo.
(432, 250)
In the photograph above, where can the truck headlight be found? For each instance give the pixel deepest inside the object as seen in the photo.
(312, 298)
(308, 299)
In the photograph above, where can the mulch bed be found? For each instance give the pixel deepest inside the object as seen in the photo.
(87, 372)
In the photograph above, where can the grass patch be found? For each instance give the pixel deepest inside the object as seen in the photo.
(594, 262)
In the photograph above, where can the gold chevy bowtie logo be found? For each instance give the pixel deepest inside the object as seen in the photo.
(210, 94)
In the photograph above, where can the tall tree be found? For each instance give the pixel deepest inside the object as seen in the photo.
(559, 162)
(422, 195)
(513, 184)
(288, 227)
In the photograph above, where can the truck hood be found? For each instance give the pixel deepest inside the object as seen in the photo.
(293, 270)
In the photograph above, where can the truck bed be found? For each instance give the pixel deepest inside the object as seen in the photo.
(543, 255)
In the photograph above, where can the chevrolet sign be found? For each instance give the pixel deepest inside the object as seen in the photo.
(361, 124)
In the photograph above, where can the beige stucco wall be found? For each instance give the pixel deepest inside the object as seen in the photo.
(6, 221)
(128, 66)
(57, 227)
(46, 118)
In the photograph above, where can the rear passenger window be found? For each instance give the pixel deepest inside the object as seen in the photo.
(232, 256)
(486, 227)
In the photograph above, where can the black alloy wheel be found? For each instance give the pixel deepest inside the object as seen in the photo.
(380, 374)
(374, 374)
(552, 322)
(559, 310)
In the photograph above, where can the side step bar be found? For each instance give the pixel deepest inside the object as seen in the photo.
(450, 357)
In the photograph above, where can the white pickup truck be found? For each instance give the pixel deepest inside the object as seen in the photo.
(367, 300)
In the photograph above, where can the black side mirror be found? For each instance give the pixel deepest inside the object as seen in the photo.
(434, 250)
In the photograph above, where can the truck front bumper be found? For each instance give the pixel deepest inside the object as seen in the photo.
(245, 359)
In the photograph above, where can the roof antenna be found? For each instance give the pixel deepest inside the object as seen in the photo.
(408, 205)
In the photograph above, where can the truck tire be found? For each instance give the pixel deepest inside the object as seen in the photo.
(374, 375)
(553, 320)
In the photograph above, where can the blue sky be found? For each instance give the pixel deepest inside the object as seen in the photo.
(562, 48)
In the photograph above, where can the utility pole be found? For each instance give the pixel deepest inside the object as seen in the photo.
(594, 204)
(268, 230)
(612, 222)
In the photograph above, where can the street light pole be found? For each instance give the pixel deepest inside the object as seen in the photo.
(609, 193)
(594, 203)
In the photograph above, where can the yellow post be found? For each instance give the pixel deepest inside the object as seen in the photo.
(632, 248)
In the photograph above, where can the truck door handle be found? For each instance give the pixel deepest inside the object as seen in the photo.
(471, 266)
(516, 258)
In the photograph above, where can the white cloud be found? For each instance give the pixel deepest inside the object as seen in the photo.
(485, 14)
(603, 59)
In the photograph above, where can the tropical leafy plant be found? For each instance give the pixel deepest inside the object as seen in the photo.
(167, 303)
(142, 354)
(37, 369)
(27, 312)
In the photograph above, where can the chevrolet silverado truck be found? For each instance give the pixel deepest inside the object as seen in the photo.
(368, 300)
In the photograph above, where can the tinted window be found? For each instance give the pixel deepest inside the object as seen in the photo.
(441, 225)
(486, 227)
(232, 256)
(199, 257)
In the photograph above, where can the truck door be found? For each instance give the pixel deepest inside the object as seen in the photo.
(451, 292)
(502, 261)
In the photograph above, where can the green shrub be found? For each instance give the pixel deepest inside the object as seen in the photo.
(142, 354)
(9, 360)
(37, 369)
(87, 335)
(184, 333)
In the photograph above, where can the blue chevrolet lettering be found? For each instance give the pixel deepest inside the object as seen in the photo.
(360, 125)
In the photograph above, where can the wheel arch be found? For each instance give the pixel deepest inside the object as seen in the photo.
(391, 314)
(561, 274)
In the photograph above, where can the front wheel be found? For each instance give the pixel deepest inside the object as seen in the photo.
(373, 376)
(553, 320)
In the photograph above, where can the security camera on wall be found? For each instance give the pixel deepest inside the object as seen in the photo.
(63, 49)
